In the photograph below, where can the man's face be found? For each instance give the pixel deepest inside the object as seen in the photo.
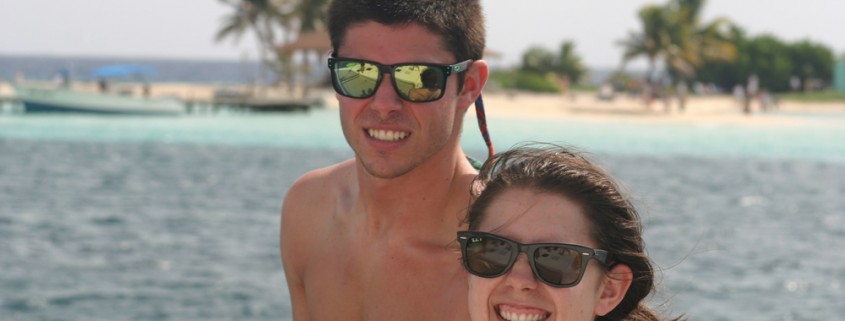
(391, 136)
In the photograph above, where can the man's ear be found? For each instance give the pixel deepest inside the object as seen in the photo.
(616, 284)
(474, 79)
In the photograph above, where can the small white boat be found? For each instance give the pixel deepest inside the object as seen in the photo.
(37, 99)
(63, 98)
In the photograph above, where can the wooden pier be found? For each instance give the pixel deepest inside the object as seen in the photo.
(252, 104)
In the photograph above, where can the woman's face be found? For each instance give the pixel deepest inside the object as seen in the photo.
(528, 216)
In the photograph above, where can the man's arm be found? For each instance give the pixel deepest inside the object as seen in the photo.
(293, 235)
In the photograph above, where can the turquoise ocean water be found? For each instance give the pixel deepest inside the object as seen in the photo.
(127, 218)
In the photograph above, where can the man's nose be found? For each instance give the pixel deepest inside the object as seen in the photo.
(386, 99)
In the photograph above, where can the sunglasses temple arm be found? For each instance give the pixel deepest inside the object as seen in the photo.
(601, 255)
(482, 124)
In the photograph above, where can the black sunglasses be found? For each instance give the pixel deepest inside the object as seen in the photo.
(413, 81)
(557, 264)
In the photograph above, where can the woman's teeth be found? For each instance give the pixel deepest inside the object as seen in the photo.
(511, 313)
(521, 317)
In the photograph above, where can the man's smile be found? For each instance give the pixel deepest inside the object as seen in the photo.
(387, 135)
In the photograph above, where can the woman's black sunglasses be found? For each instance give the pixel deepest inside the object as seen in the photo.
(556, 264)
(413, 81)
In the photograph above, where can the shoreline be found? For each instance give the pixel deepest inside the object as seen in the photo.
(709, 110)
(712, 109)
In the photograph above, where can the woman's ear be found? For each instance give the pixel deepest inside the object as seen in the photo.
(616, 284)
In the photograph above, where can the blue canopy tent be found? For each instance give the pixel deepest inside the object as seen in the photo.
(122, 70)
(136, 73)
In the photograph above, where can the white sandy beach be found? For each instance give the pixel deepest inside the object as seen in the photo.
(699, 109)
(717, 109)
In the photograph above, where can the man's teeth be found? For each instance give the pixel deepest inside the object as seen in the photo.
(387, 135)
(521, 317)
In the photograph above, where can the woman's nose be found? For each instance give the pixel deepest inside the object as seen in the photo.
(521, 276)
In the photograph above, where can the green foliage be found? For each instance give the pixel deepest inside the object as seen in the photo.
(537, 60)
(649, 42)
(526, 80)
(674, 35)
(311, 13)
(535, 82)
(569, 63)
(273, 23)
(542, 61)
(811, 60)
(501, 79)
(719, 51)
(768, 58)
(773, 61)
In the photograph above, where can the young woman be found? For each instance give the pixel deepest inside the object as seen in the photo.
(583, 251)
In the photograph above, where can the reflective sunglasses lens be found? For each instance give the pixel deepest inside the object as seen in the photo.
(487, 256)
(558, 265)
(419, 83)
(355, 78)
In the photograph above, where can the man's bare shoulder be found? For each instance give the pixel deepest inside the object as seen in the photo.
(309, 204)
(319, 188)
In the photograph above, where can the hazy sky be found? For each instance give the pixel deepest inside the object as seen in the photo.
(186, 28)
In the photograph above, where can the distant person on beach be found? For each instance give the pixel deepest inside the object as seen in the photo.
(369, 238)
(552, 237)
(145, 89)
(751, 92)
(795, 83)
(103, 85)
(682, 92)
(20, 77)
(62, 78)
(740, 97)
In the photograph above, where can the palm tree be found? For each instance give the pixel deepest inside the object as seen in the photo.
(698, 42)
(264, 19)
(312, 14)
(651, 42)
(274, 23)
(673, 34)
(538, 60)
(568, 63)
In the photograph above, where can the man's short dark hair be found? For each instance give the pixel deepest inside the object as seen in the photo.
(459, 22)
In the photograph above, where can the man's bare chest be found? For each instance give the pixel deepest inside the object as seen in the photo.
(376, 282)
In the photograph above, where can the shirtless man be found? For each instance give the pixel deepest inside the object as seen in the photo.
(371, 238)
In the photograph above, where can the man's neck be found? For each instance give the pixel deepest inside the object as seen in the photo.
(421, 196)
